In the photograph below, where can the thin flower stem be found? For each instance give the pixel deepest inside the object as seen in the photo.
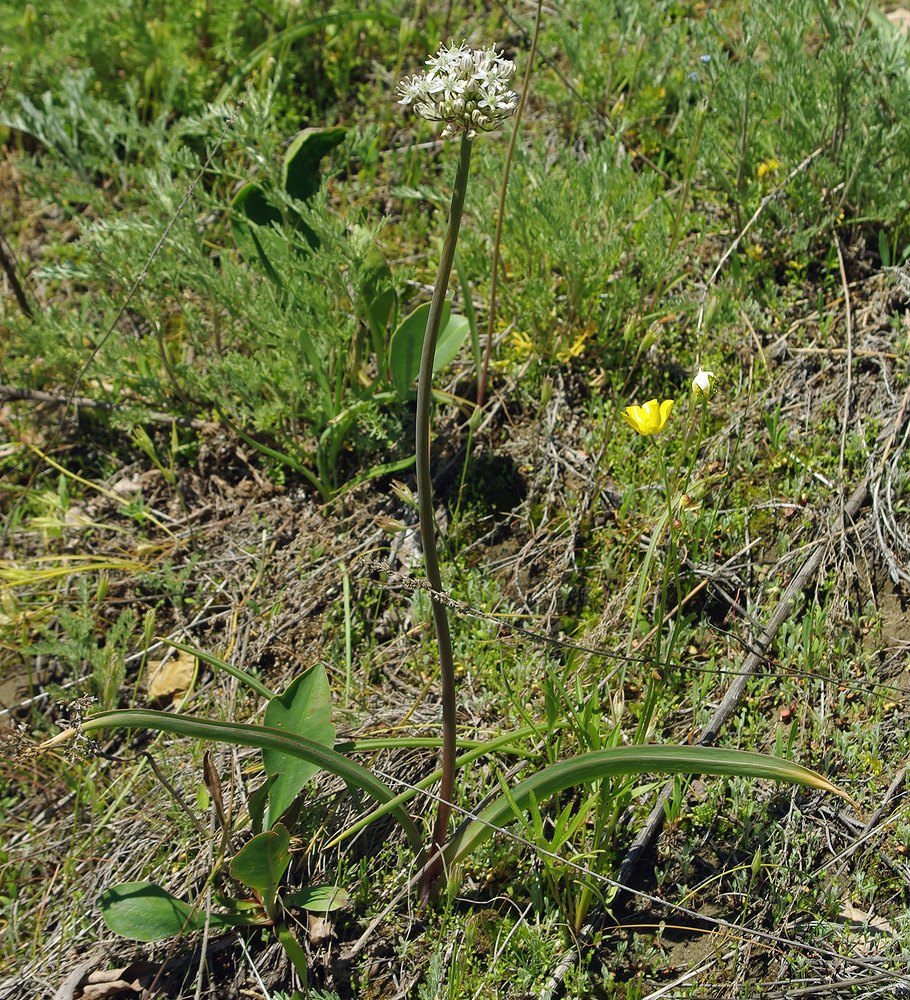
(484, 372)
(428, 524)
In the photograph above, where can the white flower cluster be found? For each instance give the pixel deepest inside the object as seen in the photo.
(468, 89)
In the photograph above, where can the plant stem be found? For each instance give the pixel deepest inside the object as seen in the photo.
(428, 524)
(484, 370)
(295, 953)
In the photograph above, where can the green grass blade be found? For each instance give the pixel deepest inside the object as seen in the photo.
(279, 456)
(298, 31)
(263, 738)
(385, 469)
(215, 661)
(621, 761)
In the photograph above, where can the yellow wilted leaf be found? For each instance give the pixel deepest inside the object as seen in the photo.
(169, 680)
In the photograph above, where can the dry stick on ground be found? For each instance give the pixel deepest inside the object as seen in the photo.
(11, 392)
(848, 391)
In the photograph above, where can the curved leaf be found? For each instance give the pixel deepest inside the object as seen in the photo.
(451, 337)
(318, 898)
(244, 735)
(261, 863)
(621, 761)
(250, 205)
(406, 345)
(252, 202)
(300, 172)
(215, 661)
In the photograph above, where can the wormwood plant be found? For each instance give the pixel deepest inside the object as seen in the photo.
(467, 90)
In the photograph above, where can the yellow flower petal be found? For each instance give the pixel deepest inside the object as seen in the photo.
(634, 417)
(649, 418)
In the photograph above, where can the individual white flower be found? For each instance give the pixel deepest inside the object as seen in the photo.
(704, 384)
(468, 89)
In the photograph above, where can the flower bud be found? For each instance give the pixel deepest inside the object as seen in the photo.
(704, 384)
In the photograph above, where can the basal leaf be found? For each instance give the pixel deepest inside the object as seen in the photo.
(143, 911)
(318, 898)
(250, 205)
(250, 200)
(620, 761)
(305, 708)
(241, 734)
(262, 861)
(406, 345)
(300, 173)
(451, 337)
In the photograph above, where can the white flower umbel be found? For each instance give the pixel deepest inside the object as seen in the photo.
(468, 89)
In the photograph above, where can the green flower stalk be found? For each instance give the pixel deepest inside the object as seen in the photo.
(468, 90)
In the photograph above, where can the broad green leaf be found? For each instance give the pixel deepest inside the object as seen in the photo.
(318, 898)
(451, 337)
(251, 202)
(305, 708)
(249, 205)
(406, 345)
(244, 735)
(621, 761)
(262, 861)
(142, 911)
(300, 174)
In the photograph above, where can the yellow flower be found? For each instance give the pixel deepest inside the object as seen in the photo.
(522, 343)
(767, 167)
(577, 347)
(650, 418)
